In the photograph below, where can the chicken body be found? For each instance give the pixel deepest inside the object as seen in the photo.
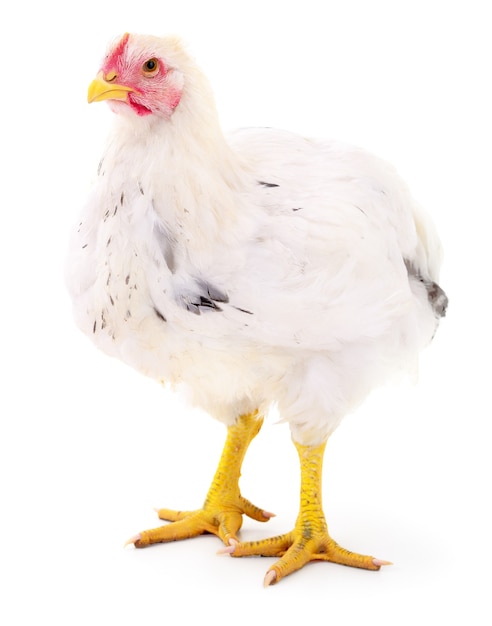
(255, 268)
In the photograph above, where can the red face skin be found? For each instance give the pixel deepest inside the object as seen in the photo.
(156, 90)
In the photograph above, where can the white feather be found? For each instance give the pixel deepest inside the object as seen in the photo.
(320, 308)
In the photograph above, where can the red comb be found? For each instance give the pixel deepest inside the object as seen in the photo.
(117, 51)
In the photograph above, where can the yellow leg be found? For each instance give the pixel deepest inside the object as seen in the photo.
(224, 506)
(309, 541)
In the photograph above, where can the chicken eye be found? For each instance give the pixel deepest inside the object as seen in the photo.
(150, 67)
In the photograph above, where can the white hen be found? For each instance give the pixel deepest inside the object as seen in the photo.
(255, 268)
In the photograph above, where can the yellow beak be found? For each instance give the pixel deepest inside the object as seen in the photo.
(102, 89)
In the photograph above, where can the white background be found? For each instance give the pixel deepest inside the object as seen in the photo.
(88, 446)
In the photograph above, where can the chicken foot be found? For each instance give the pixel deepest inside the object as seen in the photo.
(224, 506)
(309, 541)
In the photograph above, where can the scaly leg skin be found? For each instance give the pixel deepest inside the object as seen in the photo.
(309, 541)
(224, 506)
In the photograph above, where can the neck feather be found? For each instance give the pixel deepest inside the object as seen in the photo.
(196, 180)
